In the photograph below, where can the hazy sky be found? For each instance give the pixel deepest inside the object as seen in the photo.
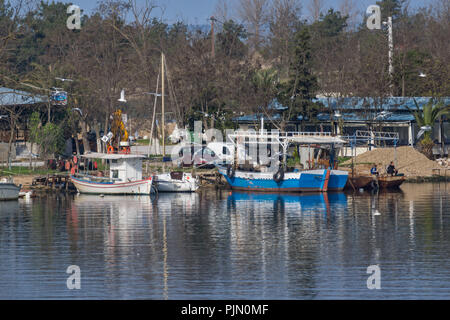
(199, 11)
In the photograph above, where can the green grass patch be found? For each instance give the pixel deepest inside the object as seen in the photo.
(343, 159)
(18, 170)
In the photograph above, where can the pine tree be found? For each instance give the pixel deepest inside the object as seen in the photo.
(301, 87)
(390, 8)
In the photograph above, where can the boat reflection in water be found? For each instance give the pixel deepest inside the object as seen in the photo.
(293, 203)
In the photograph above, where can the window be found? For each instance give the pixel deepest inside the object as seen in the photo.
(225, 150)
(115, 174)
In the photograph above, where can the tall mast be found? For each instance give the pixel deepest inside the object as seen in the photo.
(162, 103)
(212, 37)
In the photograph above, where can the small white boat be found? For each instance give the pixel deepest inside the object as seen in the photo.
(26, 194)
(8, 190)
(125, 176)
(176, 181)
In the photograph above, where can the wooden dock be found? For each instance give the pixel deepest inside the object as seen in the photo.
(54, 181)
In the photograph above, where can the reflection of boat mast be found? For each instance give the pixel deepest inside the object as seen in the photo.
(165, 268)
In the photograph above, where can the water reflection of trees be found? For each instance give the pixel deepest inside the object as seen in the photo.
(228, 244)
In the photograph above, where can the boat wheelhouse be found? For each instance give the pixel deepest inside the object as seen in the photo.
(125, 176)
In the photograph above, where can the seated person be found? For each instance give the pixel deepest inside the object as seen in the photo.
(391, 169)
(374, 170)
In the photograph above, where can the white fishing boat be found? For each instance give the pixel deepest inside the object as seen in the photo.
(176, 181)
(8, 190)
(125, 176)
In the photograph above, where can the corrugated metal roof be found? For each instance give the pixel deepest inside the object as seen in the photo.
(354, 117)
(368, 103)
(11, 97)
(357, 109)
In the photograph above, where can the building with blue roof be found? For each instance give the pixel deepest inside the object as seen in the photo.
(346, 115)
(10, 99)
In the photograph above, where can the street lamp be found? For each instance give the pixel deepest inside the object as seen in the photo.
(337, 114)
(63, 79)
(78, 110)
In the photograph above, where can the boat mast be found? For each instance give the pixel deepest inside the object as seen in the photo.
(162, 103)
(153, 118)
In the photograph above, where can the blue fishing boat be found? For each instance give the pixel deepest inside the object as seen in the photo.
(309, 180)
(301, 181)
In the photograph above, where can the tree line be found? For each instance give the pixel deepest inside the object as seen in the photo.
(265, 50)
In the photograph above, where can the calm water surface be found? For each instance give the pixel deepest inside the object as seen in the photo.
(229, 245)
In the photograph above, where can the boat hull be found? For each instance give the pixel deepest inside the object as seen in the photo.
(133, 187)
(359, 182)
(304, 181)
(390, 182)
(9, 191)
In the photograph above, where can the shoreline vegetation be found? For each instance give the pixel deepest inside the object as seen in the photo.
(25, 178)
(240, 67)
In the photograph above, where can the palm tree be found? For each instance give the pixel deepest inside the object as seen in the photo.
(426, 119)
(265, 82)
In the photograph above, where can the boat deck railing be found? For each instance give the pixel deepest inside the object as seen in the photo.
(289, 134)
(285, 138)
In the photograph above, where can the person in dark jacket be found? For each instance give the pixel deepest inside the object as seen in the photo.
(391, 169)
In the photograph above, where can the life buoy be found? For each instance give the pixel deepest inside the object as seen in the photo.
(110, 149)
(230, 171)
(279, 175)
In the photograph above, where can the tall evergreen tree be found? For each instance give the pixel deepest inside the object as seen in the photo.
(297, 93)
(390, 8)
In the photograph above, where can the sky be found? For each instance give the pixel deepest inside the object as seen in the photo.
(198, 12)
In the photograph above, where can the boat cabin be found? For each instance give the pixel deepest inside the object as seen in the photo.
(122, 167)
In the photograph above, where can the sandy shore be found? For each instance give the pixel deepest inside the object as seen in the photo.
(24, 180)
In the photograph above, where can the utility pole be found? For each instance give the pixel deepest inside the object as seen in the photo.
(374, 22)
(391, 54)
(212, 37)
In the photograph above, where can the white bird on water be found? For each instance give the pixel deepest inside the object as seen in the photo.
(122, 96)
(377, 213)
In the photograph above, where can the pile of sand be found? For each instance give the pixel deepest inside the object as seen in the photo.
(409, 161)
